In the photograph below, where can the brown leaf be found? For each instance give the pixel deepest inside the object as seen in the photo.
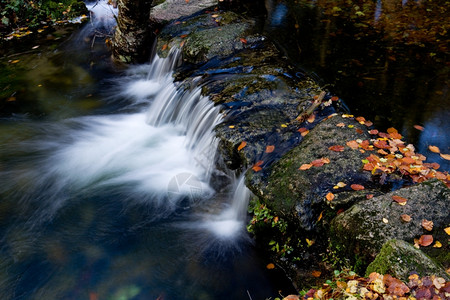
(425, 240)
(399, 200)
(406, 218)
(316, 273)
(357, 187)
(242, 145)
(434, 149)
(329, 196)
(305, 167)
(427, 225)
(270, 148)
(336, 148)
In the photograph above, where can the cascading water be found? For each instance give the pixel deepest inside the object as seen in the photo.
(119, 203)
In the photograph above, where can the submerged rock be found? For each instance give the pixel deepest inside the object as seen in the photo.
(399, 259)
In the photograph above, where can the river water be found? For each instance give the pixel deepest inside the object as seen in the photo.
(105, 182)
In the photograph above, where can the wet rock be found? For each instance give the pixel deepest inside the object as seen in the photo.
(399, 259)
(361, 231)
(169, 10)
(299, 195)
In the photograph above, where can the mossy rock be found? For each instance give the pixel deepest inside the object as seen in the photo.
(300, 195)
(399, 259)
(363, 229)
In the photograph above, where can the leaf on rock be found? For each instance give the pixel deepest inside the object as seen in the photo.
(425, 240)
(406, 218)
(305, 167)
(336, 148)
(329, 196)
(357, 187)
(427, 225)
(341, 125)
(316, 273)
(400, 200)
(353, 144)
(242, 145)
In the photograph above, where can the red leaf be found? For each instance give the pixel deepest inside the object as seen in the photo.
(426, 240)
(336, 148)
(418, 127)
(399, 199)
(244, 41)
(357, 187)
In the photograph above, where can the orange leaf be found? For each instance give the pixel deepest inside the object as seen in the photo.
(399, 200)
(353, 144)
(242, 145)
(311, 118)
(392, 130)
(425, 240)
(183, 36)
(434, 149)
(270, 148)
(305, 167)
(318, 162)
(336, 148)
(406, 218)
(256, 168)
(316, 273)
(330, 196)
(342, 125)
(305, 133)
(445, 156)
(270, 266)
(302, 129)
(369, 196)
(418, 127)
(373, 131)
(334, 98)
(164, 47)
(244, 41)
(427, 225)
(357, 187)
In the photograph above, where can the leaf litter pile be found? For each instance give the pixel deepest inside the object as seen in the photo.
(347, 285)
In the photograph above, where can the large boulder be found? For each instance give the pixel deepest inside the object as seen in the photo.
(169, 10)
(360, 232)
(399, 259)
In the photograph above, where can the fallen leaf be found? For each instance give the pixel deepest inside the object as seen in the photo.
(270, 148)
(353, 144)
(357, 187)
(437, 244)
(434, 149)
(311, 118)
(341, 184)
(336, 148)
(302, 129)
(270, 266)
(425, 240)
(320, 216)
(399, 200)
(310, 242)
(329, 196)
(342, 125)
(164, 47)
(427, 225)
(231, 126)
(215, 15)
(445, 156)
(183, 36)
(304, 133)
(369, 196)
(243, 41)
(283, 125)
(305, 167)
(385, 221)
(318, 162)
(406, 218)
(316, 273)
(418, 127)
(242, 145)
(256, 168)
(447, 230)
(291, 297)
(334, 98)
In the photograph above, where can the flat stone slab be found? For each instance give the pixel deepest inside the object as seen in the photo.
(173, 9)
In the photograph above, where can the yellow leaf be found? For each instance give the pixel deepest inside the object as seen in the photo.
(437, 245)
(242, 145)
(341, 184)
(15, 61)
(310, 242)
(283, 125)
(447, 230)
(231, 126)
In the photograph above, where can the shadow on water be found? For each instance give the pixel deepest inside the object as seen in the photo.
(388, 60)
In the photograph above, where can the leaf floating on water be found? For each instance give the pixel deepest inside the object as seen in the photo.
(311, 118)
(257, 166)
(405, 218)
(418, 127)
(270, 148)
(329, 196)
(426, 240)
(434, 149)
(357, 187)
(399, 200)
(427, 225)
(270, 266)
(242, 145)
(336, 148)
(305, 167)
(445, 156)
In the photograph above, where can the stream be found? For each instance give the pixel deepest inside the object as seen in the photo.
(105, 184)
